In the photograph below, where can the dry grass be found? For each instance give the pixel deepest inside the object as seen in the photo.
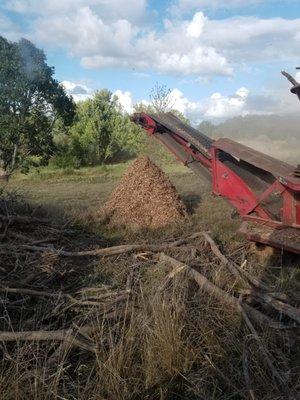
(176, 344)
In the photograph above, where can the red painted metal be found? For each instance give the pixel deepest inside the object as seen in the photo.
(205, 161)
(234, 189)
(252, 205)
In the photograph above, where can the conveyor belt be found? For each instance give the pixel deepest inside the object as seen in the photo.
(167, 120)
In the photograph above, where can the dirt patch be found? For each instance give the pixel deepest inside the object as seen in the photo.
(145, 197)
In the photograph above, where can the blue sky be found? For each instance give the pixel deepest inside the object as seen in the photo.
(220, 58)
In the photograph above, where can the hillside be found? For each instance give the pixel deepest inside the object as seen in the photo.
(276, 135)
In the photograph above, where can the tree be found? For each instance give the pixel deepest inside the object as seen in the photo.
(100, 132)
(31, 100)
(161, 98)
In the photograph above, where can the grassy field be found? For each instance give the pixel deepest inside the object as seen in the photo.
(84, 191)
(90, 187)
(175, 343)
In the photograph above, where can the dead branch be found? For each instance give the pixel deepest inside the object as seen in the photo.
(63, 335)
(105, 301)
(246, 369)
(218, 293)
(236, 270)
(107, 251)
(29, 292)
(12, 219)
(221, 256)
(280, 306)
(267, 356)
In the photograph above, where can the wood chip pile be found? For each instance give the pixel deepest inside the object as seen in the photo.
(145, 198)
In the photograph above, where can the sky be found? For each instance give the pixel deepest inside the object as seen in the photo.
(221, 59)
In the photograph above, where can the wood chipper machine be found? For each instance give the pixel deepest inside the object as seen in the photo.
(265, 191)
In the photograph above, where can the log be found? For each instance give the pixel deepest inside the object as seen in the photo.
(218, 293)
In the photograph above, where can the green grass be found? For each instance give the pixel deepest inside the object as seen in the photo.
(88, 188)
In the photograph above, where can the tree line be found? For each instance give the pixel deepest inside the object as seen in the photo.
(40, 123)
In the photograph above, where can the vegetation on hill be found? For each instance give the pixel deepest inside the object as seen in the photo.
(276, 135)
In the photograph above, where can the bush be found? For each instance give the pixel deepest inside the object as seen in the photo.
(64, 161)
(101, 133)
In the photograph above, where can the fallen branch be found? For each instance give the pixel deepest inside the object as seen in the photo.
(246, 368)
(107, 251)
(12, 219)
(221, 256)
(103, 300)
(64, 335)
(30, 292)
(236, 270)
(267, 356)
(218, 293)
(284, 308)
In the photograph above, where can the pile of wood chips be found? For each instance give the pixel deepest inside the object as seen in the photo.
(145, 198)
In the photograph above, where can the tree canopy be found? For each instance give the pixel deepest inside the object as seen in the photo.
(31, 100)
(100, 132)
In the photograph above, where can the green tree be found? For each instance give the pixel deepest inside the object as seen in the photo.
(101, 131)
(31, 100)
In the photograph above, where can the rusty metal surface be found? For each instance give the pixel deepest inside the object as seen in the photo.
(260, 160)
(285, 238)
(167, 120)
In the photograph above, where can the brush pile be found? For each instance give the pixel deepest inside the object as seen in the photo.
(173, 315)
(145, 198)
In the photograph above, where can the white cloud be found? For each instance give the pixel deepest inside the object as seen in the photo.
(8, 29)
(109, 33)
(199, 46)
(195, 27)
(78, 91)
(109, 10)
(125, 100)
(223, 107)
(184, 6)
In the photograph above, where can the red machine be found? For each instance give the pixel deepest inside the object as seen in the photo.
(265, 191)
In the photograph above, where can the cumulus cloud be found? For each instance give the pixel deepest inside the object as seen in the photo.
(223, 107)
(78, 91)
(200, 46)
(125, 100)
(109, 10)
(181, 6)
(108, 33)
(81, 92)
(195, 27)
